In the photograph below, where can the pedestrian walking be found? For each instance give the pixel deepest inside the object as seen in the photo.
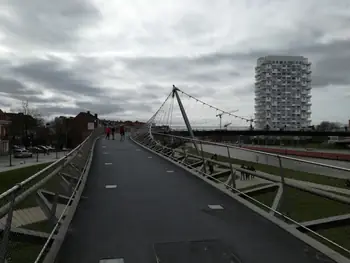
(122, 133)
(113, 132)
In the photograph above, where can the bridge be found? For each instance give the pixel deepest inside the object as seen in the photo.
(249, 132)
(158, 197)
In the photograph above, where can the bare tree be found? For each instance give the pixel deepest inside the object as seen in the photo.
(30, 120)
(27, 110)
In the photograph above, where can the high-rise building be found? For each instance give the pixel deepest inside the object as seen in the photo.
(283, 92)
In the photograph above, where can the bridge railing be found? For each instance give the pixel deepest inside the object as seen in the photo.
(222, 165)
(33, 211)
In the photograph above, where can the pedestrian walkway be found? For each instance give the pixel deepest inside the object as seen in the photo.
(139, 205)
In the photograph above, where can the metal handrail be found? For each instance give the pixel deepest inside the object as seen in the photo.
(31, 178)
(66, 208)
(255, 151)
(260, 203)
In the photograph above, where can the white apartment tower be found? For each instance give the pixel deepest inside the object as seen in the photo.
(283, 92)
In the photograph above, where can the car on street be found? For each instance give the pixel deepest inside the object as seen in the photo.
(22, 153)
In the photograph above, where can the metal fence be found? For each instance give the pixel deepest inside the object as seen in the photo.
(250, 174)
(10, 160)
(34, 212)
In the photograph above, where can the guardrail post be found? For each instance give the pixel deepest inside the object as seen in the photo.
(282, 179)
(54, 209)
(204, 167)
(10, 157)
(231, 168)
(7, 230)
(281, 171)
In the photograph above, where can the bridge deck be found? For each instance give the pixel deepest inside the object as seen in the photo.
(151, 206)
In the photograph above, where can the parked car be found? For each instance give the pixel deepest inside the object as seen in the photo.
(17, 147)
(35, 149)
(22, 153)
(44, 148)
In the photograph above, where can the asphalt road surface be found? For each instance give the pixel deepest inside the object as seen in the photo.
(158, 208)
(343, 151)
(294, 165)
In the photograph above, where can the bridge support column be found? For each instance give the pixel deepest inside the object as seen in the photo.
(184, 115)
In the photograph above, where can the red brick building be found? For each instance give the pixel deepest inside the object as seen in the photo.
(80, 127)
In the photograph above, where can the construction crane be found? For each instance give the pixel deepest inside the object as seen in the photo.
(227, 124)
(223, 113)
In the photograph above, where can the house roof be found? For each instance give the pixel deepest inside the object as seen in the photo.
(85, 114)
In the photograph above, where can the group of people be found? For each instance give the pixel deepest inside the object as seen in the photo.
(245, 175)
(110, 131)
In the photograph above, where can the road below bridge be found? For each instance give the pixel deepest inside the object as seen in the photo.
(271, 160)
(154, 207)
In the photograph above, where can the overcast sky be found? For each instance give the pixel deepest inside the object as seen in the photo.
(120, 58)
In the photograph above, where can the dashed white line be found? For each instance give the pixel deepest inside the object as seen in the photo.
(111, 186)
(138, 150)
(103, 146)
(112, 260)
(215, 207)
(108, 163)
(170, 171)
(149, 157)
(105, 152)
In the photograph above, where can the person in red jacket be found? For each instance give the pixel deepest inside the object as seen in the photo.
(122, 133)
(108, 132)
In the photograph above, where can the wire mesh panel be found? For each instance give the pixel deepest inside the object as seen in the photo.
(32, 211)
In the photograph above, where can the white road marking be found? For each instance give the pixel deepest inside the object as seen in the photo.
(138, 150)
(215, 207)
(111, 186)
(105, 152)
(108, 163)
(170, 171)
(149, 157)
(103, 146)
(112, 260)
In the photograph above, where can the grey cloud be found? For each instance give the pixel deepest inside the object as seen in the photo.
(217, 58)
(17, 90)
(110, 108)
(154, 91)
(192, 70)
(246, 90)
(54, 110)
(47, 23)
(197, 91)
(12, 86)
(52, 75)
(103, 108)
(330, 62)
